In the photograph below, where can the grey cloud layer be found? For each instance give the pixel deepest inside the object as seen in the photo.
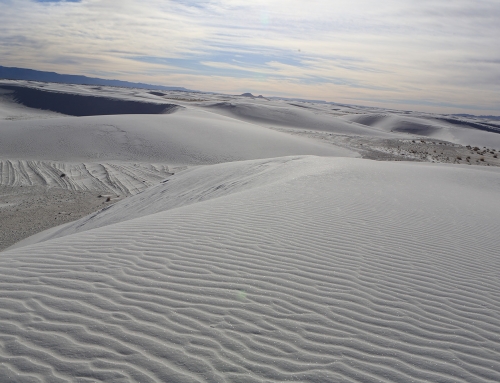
(437, 51)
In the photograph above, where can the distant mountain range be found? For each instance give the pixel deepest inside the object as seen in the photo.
(36, 75)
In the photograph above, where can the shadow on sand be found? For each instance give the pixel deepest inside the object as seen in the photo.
(81, 105)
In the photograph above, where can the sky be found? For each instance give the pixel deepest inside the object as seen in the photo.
(429, 55)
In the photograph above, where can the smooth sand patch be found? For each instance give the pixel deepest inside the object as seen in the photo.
(27, 210)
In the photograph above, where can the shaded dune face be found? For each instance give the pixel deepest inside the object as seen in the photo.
(418, 126)
(81, 105)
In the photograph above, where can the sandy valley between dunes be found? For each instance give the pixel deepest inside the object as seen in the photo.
(25, 211)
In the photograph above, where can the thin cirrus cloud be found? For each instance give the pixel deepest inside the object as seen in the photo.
(431, 55)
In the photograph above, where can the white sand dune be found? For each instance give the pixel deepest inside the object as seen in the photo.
(187, 137)
(290, 269)
(291, 116)
(191, 186)
(121, 177)
(257, 263)
(439, 127)
(121, 153)
(50, 100)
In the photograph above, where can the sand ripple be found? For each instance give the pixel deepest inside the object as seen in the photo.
(357, 272)
(121, 177)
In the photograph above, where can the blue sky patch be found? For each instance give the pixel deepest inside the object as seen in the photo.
(243, 65)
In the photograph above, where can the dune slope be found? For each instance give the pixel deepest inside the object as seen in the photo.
(293, 116)
(319, 270)
(187, 137)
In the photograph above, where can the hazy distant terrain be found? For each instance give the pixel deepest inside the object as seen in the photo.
(176, 236)
(11, 73)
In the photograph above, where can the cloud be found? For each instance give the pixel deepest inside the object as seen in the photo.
(437, 53)
(57, 1)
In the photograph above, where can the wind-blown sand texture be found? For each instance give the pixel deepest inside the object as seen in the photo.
(319, 270)
(122, 178)
(243, 253)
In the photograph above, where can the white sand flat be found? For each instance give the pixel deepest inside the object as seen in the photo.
(290, 269)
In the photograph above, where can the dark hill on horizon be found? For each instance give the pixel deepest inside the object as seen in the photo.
(12, 73)
(251, 95)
